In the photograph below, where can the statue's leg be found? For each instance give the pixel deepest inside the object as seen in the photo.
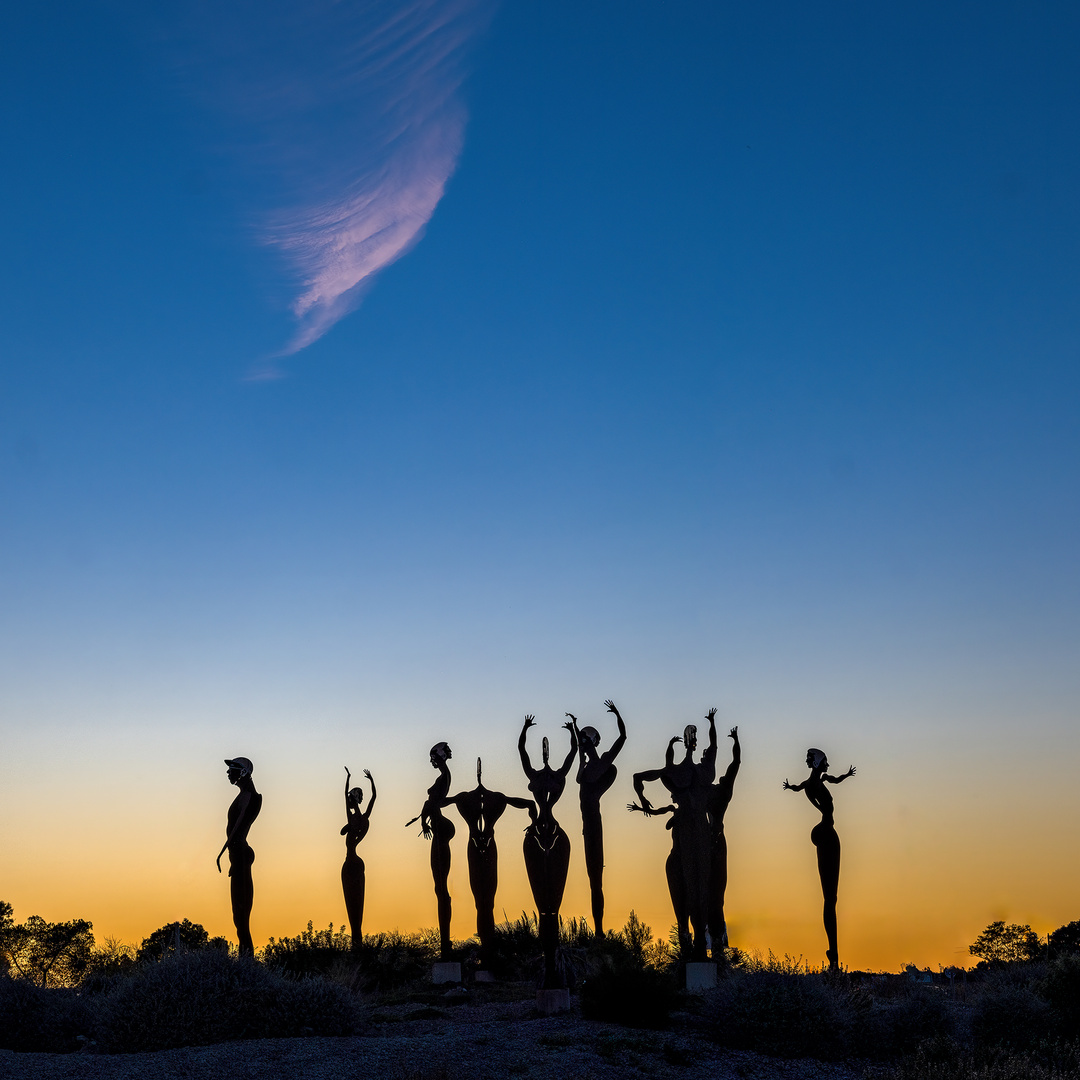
(242, 894)
(352, 886)
(694, 849)
(593, 843)
(717, 888)
(440, 872)
(673, 868)
(828, 856)
(484, 879)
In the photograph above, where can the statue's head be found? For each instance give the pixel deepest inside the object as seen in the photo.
(440, 754)
(689, 737)
(816, 759)
(239, 769)
(478, 770)
(544, 749)
(590, 737)
(356, 796)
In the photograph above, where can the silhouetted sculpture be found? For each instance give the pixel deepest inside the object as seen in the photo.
(596, 773)
(547, 847)
(688, 865)
(719, 796)
(352, 869)
(242, 812)
(440, 831)
(824, 838)
(480, 809)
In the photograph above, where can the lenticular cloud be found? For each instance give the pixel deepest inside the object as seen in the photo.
(344, 121)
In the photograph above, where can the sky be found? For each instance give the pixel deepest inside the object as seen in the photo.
(375, 374)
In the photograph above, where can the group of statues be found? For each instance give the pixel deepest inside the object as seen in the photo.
(696, 867)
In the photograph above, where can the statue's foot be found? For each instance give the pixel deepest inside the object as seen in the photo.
(834, 964)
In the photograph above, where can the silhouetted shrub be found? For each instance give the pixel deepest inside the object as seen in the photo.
(1065, 939)
(33, 1018)
(890, 1025)
(202, 997)
(1007, 1014)
(311, 952)
(1062, 990)
(388, 961)
(622, 984)
(782, 1015)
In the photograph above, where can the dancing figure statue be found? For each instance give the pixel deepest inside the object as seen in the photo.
(547, 847)
(440, 831)
(480, 809)
(596, 773)
(688, 866)
(824, 838)
(719, 797)
(243, 810)
(352, 869)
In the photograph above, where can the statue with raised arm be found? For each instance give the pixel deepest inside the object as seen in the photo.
(352, 869)
(242, 813)
(824, 838)
(596, 773)
(547, 847)
(688, 866)
(719, 797)
(440, 831)
(480, 809)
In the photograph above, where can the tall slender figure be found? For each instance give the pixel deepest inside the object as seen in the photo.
(440, 831)
(596, 773)
(352, 869)
(688, 866)
(719, 798)
(547, 847)
(480, 809)
(824, 838)
(242, 812)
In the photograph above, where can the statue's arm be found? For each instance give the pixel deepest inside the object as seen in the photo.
(573, 748)
(669, 754)
(245, 802)
(640, 780)
(523, 752)
(374, 793)
(736, 755)
(522, 804)
(711, 717)
(841, 778)
(794, 787)
(620, 740)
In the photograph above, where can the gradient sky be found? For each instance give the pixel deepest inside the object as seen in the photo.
(365, 387)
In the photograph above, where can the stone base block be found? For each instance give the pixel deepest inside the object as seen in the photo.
(700, 977)
(446, 972)
(483, 976)
(549, 1002)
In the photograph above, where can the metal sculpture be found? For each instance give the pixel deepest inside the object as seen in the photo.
(596, 773)
(547, 847)
(243, 810)
(824, 837)
(352, 869)
(440, 831)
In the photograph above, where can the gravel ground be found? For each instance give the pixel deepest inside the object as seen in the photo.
(466, 1042)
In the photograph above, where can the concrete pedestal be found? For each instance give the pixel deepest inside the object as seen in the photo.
(549, 1002)
(483, 976)
(700, 977)
(446, 972)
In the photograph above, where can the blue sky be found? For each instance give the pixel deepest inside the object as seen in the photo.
(736, 365)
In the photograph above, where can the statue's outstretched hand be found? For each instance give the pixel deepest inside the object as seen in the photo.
(367, 773)
(733, 733)
(787, 786)
(711, 715)
(569, 725)
(610, 706)
(530, 720)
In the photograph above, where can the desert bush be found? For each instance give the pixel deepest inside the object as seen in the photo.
(900, 1022)
(33, 1018)
(388, 961)
(1061, 989)
(1051, 1063)
(195, 998)
(1006, 1013)
(311, 952)
(783, 1015)
(623, 984)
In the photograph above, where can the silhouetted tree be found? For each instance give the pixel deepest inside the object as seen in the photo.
(7, 922)
(1065, 939)
(174, 937)
(42, 951)
(1006, 943)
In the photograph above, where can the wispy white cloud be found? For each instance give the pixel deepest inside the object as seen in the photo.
(345, 120)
